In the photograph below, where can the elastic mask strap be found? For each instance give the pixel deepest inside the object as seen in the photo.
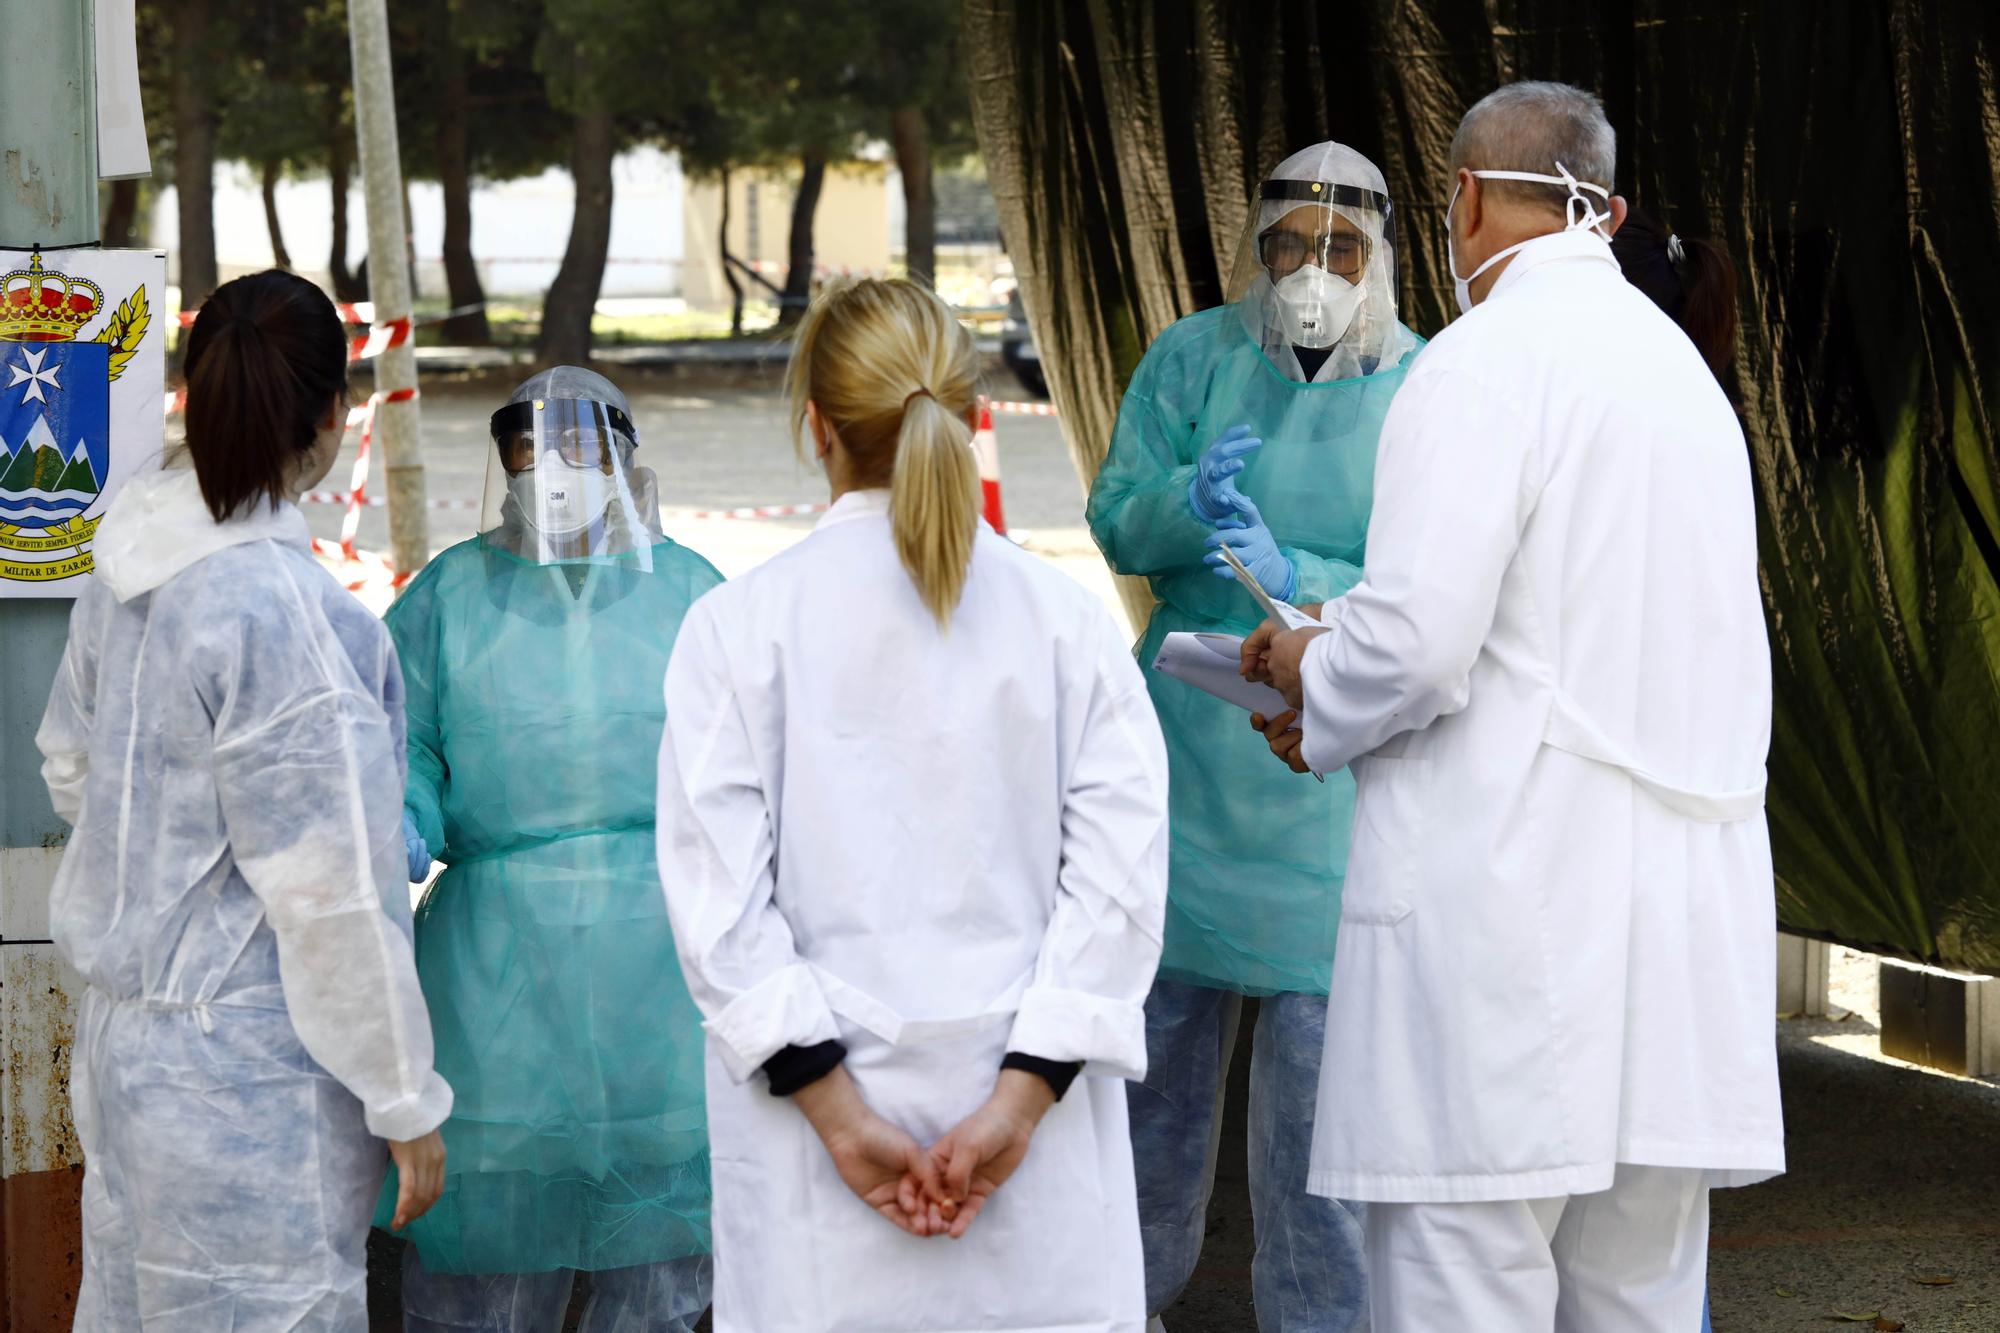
(1580, 213)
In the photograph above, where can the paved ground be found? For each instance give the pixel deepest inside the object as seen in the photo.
(1894, 1170)
(1893, 1175)
(718, 439)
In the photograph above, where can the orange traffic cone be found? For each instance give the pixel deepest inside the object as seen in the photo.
(987, 445)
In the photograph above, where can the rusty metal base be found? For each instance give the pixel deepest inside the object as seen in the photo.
(41, 1250)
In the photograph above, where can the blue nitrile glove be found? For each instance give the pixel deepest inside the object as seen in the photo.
(1213, 495)
(419, 853)
(1245, 533)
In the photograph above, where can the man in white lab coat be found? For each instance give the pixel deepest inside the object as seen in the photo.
(1552, 1004)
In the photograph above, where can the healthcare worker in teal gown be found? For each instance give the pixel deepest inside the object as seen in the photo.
(533, 656)
(1254, 425)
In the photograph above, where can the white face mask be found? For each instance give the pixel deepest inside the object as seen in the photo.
(560, 500)
(1582, 216)
(1316, 306)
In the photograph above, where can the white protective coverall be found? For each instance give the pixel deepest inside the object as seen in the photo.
(936, 847)
(226, 736)
(1557, 944)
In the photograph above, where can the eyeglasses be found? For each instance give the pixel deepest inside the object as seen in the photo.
(582, 433)
(1283, 252)
(576, 446)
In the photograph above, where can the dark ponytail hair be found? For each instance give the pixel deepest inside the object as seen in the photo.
(265, 358)
(1697, 288)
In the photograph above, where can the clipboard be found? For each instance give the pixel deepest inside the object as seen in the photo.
(1209, 662)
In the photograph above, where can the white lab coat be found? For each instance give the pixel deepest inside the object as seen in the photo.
(936, 848)
(1557, 943)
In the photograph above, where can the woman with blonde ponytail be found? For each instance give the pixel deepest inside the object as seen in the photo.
(963, 912)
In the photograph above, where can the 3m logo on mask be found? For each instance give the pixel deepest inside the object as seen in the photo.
(563, 500)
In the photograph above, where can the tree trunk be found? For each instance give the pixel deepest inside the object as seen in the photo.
(410, 244)
(398, 419)
(454, 150)
(347, 285)
(194, 151)
(910, 132)
(728, 267)
(572, 297)
(280, 256)
(121, 219)
(798, 276)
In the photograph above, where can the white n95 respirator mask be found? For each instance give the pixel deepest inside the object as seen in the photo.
(1315, 306)
(561, 500)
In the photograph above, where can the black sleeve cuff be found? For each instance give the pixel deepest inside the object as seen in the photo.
(1058, 1074)
(797, 1066)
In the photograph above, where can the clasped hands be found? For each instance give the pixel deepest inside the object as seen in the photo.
(934, 1191)
(1273, 655)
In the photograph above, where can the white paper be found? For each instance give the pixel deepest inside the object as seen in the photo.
(1283, 612)
(80, 412)
(1212, 663)
(121, 120)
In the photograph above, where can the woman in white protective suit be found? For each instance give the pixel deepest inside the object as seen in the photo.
(912, 828)
(226, 736)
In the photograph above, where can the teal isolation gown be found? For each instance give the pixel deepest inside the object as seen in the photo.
(578, 1138)
(1258, 852)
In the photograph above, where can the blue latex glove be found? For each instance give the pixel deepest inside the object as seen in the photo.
(1245, 534)
(1213, 494)
(418, 850)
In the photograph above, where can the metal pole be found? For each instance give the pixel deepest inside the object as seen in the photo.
(48, 197)
(398, 427)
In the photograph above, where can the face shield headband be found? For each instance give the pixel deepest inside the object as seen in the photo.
(1342, 250)
(583, 432)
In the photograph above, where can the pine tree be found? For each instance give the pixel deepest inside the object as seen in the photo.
(20, 473)
(78, 477)
(48, 470)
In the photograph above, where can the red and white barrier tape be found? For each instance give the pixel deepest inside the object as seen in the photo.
(985, 441)
(361, 569)
(377, 339)
(754, 511)
(177, 401)
(377, 501)
(751, 511)
(357, 491)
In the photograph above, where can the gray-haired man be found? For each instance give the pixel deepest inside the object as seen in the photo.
(1551, 1008)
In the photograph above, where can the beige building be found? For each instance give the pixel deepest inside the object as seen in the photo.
(850, 228)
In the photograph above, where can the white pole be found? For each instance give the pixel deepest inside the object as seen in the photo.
(398, 432)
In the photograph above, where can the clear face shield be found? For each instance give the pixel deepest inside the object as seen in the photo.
(561, 485)
(1316, 270)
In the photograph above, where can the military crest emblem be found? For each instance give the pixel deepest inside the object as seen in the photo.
(63, 349)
